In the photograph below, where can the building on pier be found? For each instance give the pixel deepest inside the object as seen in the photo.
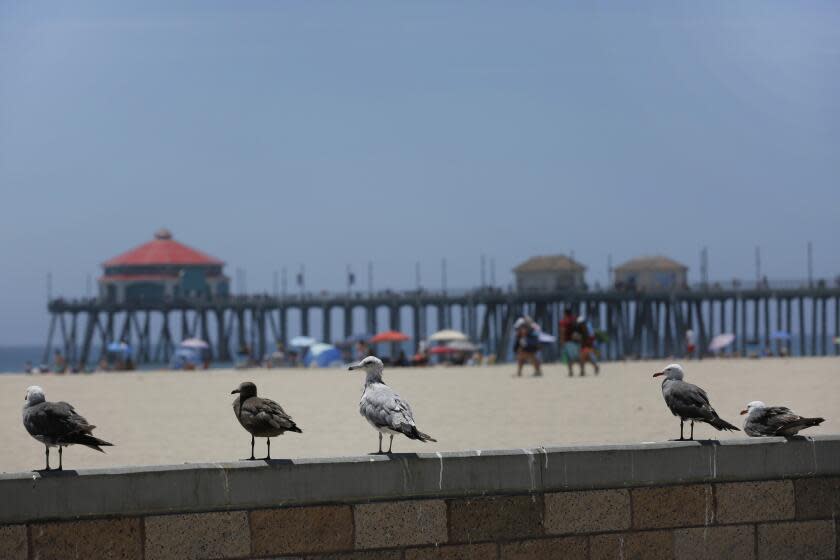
(651, 274)
(549, 274)
(162, 269)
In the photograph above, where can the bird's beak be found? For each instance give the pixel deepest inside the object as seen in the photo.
(354, 366)
(658, 373)
(744, 411)
(234, 391)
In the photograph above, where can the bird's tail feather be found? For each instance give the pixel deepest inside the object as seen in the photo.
(294, 428)
(801, 424)
(90, 441)
(413, 433)
(721, 424)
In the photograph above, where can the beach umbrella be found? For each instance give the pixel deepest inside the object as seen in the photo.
(117, 347)
(721, 341)
(389, 336)
(322, 355)
(196, 343)
(462, 346)
(448, 335)
(780, 335)
(302, 341)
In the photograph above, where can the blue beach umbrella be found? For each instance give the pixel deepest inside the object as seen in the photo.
(323, 355)
(302, 341)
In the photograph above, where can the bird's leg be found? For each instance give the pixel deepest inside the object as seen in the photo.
(60, 466)
(692, 431)
(380, 444)
(252, 447)
(268, 449)
(390, 445)
(47, 453)
(682, 437)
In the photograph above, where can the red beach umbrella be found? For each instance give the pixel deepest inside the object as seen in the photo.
(389, 336)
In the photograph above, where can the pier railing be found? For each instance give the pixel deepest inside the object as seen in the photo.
(766, 317)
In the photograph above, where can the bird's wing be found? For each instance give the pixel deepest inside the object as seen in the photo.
(777, 418)
(687, 400)
(55, 420)
(386, 409)
(265, 414)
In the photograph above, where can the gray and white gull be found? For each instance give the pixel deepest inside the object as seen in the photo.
(689, 402)
(261, 417)
(383, 408)
(57, 424)
(763, 420)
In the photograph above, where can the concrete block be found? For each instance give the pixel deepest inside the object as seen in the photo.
(743, 502)
(111, 539)
(197, 536)
(494, 518)
(454, 552)
(403, 523)
(301, 530)
(712, 543)
(592, 511)
(13, 542)
(140, 491)
(672, 506)
(567, 548)
(803, 540)
(817, 498)
(644, 545)
(358, 555)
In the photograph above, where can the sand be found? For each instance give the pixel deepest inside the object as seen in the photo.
(177, 417)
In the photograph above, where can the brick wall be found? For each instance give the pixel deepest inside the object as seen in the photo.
(768, 519)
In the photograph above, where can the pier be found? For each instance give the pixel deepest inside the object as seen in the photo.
(638, 325)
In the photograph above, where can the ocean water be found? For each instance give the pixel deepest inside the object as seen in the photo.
(13, 358)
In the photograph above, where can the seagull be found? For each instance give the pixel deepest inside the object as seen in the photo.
(763, 420)
(261, 417)
(57, 424)
(384, 409)
(688, 401)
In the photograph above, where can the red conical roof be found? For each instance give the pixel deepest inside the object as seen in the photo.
(163, 250)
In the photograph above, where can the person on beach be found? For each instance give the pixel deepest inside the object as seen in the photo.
(526, 345)
(570, 347)
(588, 352)
(689, 343)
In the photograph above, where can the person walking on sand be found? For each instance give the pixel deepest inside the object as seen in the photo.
(570, 348)
(588, 352)
(526, 345)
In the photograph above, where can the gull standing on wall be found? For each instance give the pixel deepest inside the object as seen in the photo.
(57, 425)
(763, 420)
(384, 409)
(261, 417)
(689, 402)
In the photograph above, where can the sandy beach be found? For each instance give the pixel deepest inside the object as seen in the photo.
(177, 417)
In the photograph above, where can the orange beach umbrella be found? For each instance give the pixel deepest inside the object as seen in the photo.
(389, 336)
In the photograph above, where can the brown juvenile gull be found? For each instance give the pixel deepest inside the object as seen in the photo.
(57, 424)
(261, 417)
(688, 401)
(763, 420)
(384, 409)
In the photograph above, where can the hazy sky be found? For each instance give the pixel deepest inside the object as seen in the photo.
(271, 134)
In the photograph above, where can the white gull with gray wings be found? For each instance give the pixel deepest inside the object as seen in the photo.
(57, 424)
(763, 420)
(384, 409)
(689, 402)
